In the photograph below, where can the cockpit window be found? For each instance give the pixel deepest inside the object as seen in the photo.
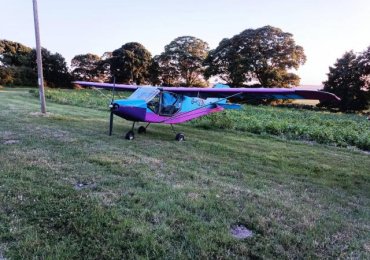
(165, 103)
(170, 103)
(144, 93)
(154, 104)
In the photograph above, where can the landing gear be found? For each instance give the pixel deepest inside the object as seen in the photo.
(130, 135)
(180, 137)
(111, 122)
(141, 130)
(113, 107)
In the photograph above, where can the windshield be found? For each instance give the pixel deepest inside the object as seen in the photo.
(144, 93)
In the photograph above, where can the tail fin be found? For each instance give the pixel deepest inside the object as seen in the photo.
(222, 102)
(219, 85)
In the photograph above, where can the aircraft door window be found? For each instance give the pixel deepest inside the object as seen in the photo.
(170, 103)
(154, 104)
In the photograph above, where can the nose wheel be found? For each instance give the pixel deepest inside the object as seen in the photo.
(130, 135)
(180, 137)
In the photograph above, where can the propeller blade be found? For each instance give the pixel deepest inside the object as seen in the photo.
(111, 123)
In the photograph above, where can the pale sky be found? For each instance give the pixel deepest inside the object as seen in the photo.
(325, 29)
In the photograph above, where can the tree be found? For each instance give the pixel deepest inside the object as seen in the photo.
(103, 67)
(54, 67)
(14, 53)
(6, 75)
(85, 67)
(18, 66)
(17, 76)
(14, 64)
(349, 79)
(154, 72)
(264, 56)
(165, 72)
(364, 65)
(182, 62)
(130, 63)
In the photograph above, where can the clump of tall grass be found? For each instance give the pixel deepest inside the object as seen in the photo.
(322, 127)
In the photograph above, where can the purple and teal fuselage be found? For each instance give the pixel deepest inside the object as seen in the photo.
(191, 108)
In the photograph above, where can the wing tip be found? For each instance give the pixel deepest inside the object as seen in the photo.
(318, 95)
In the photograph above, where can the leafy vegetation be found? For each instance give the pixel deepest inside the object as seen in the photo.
(349, 79)
(18, 66)
(130, 64)
(322, 127)
(85, 67)
(157, 198)
(99, 99)
(181, 64)
(263, 55)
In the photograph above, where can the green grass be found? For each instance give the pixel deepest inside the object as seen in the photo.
(322, 127)
(157, 198)
(99, 99)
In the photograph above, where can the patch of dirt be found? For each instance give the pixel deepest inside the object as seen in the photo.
(7, 137)
(240, 232)
(6, 134)
(39, 114)
(11, 142)
(193, 195)
(84, 185)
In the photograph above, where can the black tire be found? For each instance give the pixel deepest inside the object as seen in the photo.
(141, 130)
(130, 135)
(180, 137)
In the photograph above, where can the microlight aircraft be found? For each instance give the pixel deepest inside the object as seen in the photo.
(174, 105)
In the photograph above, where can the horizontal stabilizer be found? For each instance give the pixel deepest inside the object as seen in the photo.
(230, 106)
(219, 85)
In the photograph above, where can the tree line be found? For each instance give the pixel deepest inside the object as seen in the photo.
(265, 56)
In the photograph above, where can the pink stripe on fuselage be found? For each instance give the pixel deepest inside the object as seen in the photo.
(181, 117)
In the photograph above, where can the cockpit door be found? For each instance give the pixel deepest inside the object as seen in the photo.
(170, 103)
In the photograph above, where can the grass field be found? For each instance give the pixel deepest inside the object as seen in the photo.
(322, 127)
(157, 198)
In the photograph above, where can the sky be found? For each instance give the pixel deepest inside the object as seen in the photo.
(326, 29)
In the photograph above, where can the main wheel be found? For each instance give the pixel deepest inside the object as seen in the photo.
(141, 130)
(180, 137)
(130, 135)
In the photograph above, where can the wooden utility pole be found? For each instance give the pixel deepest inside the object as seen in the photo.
(39, 58)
